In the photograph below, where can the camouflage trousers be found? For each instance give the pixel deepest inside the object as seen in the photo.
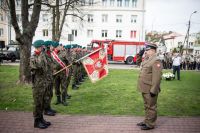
(150, 106)
(75, 74)
(48, 96)
(38, 98)
(61, 84)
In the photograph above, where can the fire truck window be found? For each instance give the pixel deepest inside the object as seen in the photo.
(95, 45)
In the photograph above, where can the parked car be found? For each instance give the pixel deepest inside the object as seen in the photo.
(10, 52)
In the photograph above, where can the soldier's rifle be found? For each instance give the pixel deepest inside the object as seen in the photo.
(77, 61)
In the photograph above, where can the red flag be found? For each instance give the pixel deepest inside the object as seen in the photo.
(96, 65)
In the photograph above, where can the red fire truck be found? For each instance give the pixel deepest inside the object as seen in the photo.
(119, 50)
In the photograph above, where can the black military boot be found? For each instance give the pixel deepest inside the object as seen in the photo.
(39, 124)
(64, 100)
(75, 87)
(68, 96)
(49, 112)
(52, 110)
(78, 83)
(45, 122)
(81, 80)
(58, 100)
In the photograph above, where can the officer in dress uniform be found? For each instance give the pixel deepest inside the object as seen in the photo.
(39, 68)
(149, 85)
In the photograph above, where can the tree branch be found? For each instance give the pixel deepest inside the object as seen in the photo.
(25, 13)
(11, 5)
(35, 16)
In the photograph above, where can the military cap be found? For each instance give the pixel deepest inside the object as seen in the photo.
(38, 43)
(55, 44)
(74, 45)
(47, 43)
(67, 46)
(150, 46)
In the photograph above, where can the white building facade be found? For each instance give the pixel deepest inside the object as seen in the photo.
(177, 41)
(3, 27)
(102, 19)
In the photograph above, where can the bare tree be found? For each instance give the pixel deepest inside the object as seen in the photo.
(24, 35)
(59, 13)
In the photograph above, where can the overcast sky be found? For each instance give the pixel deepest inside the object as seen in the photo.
(166, 15)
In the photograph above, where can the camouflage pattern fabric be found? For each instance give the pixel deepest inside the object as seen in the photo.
(38, 64)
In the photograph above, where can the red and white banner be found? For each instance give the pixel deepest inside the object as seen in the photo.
(96, 65)
(59, 61)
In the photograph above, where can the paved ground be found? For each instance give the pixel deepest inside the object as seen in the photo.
(22, 122)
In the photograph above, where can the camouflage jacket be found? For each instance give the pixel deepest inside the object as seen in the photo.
(62, 54)
(39, 68)
(49, 68)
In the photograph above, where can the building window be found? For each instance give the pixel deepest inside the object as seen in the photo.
(89, 33)
(126, 3)
(90, 18)
(31, 1)
(190, 44)
(1, 17)
(74, 33)
(104, 2)
(74, 18)
(18, 17)
(60, 2)
(134, 3)
(45, 17)
(18, 3)
(82, 2)
(45, 32)
(112, 3)
(104, 33)
(119, 3)
(133, 18)
(119, 18)
(104, 18)
(29, 17)
(119, 33)
(1, 31)
(133, 34)
(179, 44)
(91, 2)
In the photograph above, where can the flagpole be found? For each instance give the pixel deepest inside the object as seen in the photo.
(77, 60)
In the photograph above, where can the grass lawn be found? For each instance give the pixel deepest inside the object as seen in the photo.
(115, 95)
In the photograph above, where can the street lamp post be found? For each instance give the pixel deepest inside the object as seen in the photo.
(188, 32)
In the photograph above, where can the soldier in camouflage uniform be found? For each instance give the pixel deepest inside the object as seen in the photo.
(60, 78)
(39, 68)
(84, 51)
(69, 55)
(49, 93)
(75, 57)
(80, 66)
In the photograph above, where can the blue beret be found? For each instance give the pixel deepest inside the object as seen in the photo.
(47, 43)
(74, 45)
(38, 43)
(55, 44)
(67, 46)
